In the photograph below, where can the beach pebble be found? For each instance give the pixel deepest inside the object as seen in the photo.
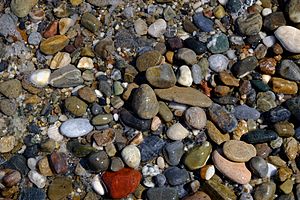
(76, 127)
(218, 62)
(177, 132)
(287, 35)
(131, 156)
(185, 76)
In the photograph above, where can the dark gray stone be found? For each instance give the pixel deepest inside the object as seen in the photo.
(258, 166)
(176, 176)
(132, 121)
(289, 70)
(203, 23)
(173, 152)
(259, 136)
(151, 147)
(162, 193)
(32, 193)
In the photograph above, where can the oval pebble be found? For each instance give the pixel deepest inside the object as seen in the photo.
(238, 151)
(76, 127)
(177, 132)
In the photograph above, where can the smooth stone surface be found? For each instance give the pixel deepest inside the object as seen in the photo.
(215, 135)
(21, 8)
(274, 20)
(203, 23)
(8, 27)
(199, 195)
(144, 102)
(132, 121)
(131, 156)
(158, 28)
(184, 95)
(258, 166)
(229, 169)
(244, 66)
(36, 178)
(276, 114)
(287, 35)
(60, 188)
(245, 112)
(40, 78)
(222, 118)
(294, 10)
(176, 176)
(58, 161)
(187, 55)
(7, 143)
(121, 183)
(218, 43)
(195, 117)
(75, 106)
(90, 22)
(68, 76)
(8, 107)
(148, 59)
(161, 76)
(104, 48)
(197, 74)
(250, 24)
(11, 88)
(162, 193)
(54, 44)
(164, 112)
(173, 152)
(284, 86)
(102, 119)
(293, 105)
(98, 161)
(151, 147)
(218, 62)
(177, 132)
(238, 151)
(197, 46)
(197, 157)
(265, 191)
(289, 70)
(185, 76)
(76, 127)
(259, 136)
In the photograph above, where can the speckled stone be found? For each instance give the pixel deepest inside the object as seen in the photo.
(215, 135)
(161, 76)
(195, 117)
(245, 112)
(148, 59)
(250, 24)
(75, 106)
(54, 44)
(218, 43)
(76, 127)
(238, 151)
(11, 88)
(173, 152)
(265, 191)
(176, 176)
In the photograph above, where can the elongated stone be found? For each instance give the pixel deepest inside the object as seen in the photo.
(287, 35)
(293, 106)
(68, 76)
(90, 22)
(238, 151)
(54, 44)
(259, 136)
(132, 121)
(76, 127)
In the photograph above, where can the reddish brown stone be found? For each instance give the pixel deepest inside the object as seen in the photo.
(121, 183)
(58, 161)
(51, 30)
(267, 65)
(11, 178)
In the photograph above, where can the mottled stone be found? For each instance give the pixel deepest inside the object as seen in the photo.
(54, 44)
(218, 43)
(197, 157)
(11, 88)
(289, 70)
(284, 86)
(187, 55)
(238, 151)
(162, 193)
(215, 135)
(173, 152)
(274, 20)
(151, 147)
(90, 22)
(265, 191)
(290, 146)
(21, 8)
(250, 24)
(195, 117)
(58, 161)
(131, 156)
(75, 106)
(245, 112)
(60, 188)
(161, 76)
(203, 23)
(244, 66)
(76, 127)
(287, 35)
(148, 59)
(68, 76)
(277, 114)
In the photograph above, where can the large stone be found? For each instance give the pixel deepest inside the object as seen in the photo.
(21, 8)
(250, 24)
(161, 76)
(238, 151)
(244, 66)
(76, 127)
(54, 44)
(148, 59)
(288, 37)
(11, 88)
(294, 10)
(184, 95)
(68, 76)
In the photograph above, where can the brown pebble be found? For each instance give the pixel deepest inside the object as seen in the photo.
(51, 30)
(44, 167)
(58, 161)
(263, 150)
(103, 138)
(87, 94)
(198, 196)
(222, 90)
(11, 178)
(228, 79)
(277, 49)
(284, 86)
(268, 65)
(284, 173)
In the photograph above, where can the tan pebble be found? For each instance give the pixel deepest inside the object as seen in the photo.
(138, 139)
(85, 63)
(215, 135)
(241, 129)
(64, 25)
(54, 44)
(7, 143)
(238, 151)
(290, 146)
(44, 167)
(284, 86)
(198, 196)
(207, 172)
(156, 122)
(160, 162)
(61, 59)
(230, 169)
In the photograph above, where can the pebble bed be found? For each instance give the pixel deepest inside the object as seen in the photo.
(153, 99)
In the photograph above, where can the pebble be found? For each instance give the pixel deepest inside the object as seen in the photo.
(7, 143)
(44, 167)
(8, 107)
(8, 26)
(187, 55)
(11, 178)
(54, 44)
(199, 195)
(233, 6)
(61, 59)
(104, 48)
(274, 20)
(68, 76)
(250, 24)
(176, 176)
(173, 152)
(287, 37)
(203, 23)
(215, 135)
(76, 127)
(207, 172)
(102, 119)
(220, 116)
(293, 11)
(177, 132)
(58, 160)
(85, 63)
(195, 45)
(164, 112)
(258, 166)
(290, 146)
(97, 186)
(284, 86)
(245, 112)
(289, 70)
(195, 117)
(34, 38)
(189, 96)
(121, 183)
(218, 62)
(197, 74)
(287, 186)
(293, 106)
(218, 43)
(244, 66)
(64, 25)
(98, 161)
(105, 137)
(265, 101)
(284, 129)
(116, 164)
(185, 76)
(158, 28)
(140, 27)
(148, 59)
(161, 193)
(277, 114)
(151, 147)
(131, 156)
(238, 151)
(197, 157)
(259, 136)
(32, 193)
(229, 169)
(90, 22)
(40, 78)
(11, 88)
(60, 188)
(22, 8)
(75, 106)
(161, 76)
(265, 191)
(144, 102)
(36, 178)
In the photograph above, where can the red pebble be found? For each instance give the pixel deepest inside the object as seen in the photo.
(51, 30)
(121, 183)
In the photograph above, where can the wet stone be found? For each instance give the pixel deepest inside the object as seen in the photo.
(132, 121)
(58, 160)
(274, 20)
(258, 166)
(289, 70)
(161, 76)
(68, 76)
(151, 147)
(98, 161)
(218, 43)
(197, 157)
(176, 176)
(259, 136)
(244, 66)
(76, 127)
(173, 152)
(90, 22)
(102, 119)
(265, 191)
(197, 46)
(148, 59)
(75, 106)
(215, 135)
(277, 114)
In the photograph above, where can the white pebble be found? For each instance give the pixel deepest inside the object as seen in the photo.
(218, 62)
(177, 132)
(40, 77)
(37, 179)
(289, 38)
(131, 156)
(31, 163)
(53, 132)
(266, 11)
(140, 27)
(61, 59)
(269, 41)
(158, 28)
(97, 186)
(272, 170)
(85, 63)
(185, 76)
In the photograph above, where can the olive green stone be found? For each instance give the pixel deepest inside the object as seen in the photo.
(118, 89)
(102, 119)
(148, 59)
(216, 190)
(161, 76)
(90, 22)
(21, 8)
(265, 191)
(215, 135)
(196, 157)
(54, 44)
(284, 129)
(60, 188)
(75, 106)
(287, 186)
(11, 88)
(82, 150)
(164, 112)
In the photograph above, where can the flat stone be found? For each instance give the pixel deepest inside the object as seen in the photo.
(244, 66)
(121, 183)
(203, 23)
(289, 70)
(76, 127)
(60, 188)
(259, 136)
(290, 146)
(218, 62)
(195, 117)
(284, 86)
(245, 112)
(164, 112)
(287, 186)
(17, 162)
(144, 102)
(197, 157)
(11, 88)
(54, 44)
(287, 35)
(276, 114)
(274, 20)
(131, 156)
(132, 121)
(187, 55)
(258, 166)
(161, 76)
(176, 176)
(184, 95)
(102, 119)
(222, 118)
(151, 147)
(173, 152)
(238, 151)
(265, 191)
(103, 138)
(58, 161)
(22, 8)
(68, 76)
(215, 135)
(44, 167)
(90, 22)
(177, 132)
(284, 129)
(75, 106)
(229, 169)
(8, 107)
(162, 193)
(148, 59)
(250, 24)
